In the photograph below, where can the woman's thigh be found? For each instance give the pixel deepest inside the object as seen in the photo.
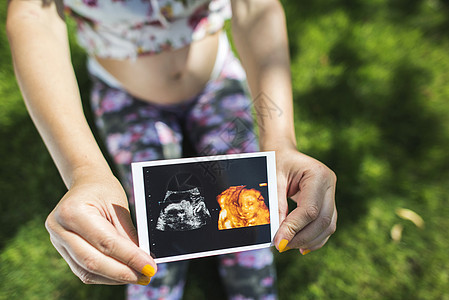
(221, 121)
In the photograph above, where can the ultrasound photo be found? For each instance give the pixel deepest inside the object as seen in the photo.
(194, 207)
(185, 208)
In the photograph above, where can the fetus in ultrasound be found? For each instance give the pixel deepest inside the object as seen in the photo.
(183, 207)
(241, 207)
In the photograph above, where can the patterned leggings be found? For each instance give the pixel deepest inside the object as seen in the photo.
(218, 121)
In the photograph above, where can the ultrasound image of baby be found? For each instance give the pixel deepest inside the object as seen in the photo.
(183, 206)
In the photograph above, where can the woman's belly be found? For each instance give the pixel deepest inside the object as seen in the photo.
(169, 77)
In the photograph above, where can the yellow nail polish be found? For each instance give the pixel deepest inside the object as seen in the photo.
(285, 249)
(144, 281)
(283, 246)
(148, 271)
(304, 252)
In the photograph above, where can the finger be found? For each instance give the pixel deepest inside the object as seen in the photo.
(323, 223)
(83, 275)
(309, 206)
(321, 239)
(91, 261)
(103, 235)
(321, 244)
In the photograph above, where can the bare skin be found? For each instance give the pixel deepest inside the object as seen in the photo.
(169, 77)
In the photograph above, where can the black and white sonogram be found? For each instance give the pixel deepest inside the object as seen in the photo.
(194, 207)
(183, 207)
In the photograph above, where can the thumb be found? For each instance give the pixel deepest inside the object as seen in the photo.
(282, 200)
(282, 233)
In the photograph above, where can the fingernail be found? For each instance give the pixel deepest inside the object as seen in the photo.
(148, 271)
(304, 252)
(283, 246)
(144, 280)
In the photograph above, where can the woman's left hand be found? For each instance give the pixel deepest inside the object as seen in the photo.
(312, 186)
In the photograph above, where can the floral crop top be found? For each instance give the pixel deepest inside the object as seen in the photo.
(124, 29)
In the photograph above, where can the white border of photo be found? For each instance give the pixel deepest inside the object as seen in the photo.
(141, 210)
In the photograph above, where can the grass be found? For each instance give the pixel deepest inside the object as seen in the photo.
(371, 84)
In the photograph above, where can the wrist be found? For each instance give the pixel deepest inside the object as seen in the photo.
(277, 143)
(93, 172)
(100, 182)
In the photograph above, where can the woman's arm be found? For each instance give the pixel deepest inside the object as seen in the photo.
(40, 50)
(260, 36)
(90, 227)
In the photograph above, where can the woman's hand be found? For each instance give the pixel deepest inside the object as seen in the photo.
(91, 226)
(92, 229)
(312, 186)
(307, 181)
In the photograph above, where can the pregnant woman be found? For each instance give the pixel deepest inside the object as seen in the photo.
(164, 83)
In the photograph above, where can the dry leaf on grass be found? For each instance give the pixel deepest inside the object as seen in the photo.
(410, 215)
(396, 232)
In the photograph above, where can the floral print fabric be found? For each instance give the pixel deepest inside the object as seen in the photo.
(124, 29)
(218, 121)
(248, 275)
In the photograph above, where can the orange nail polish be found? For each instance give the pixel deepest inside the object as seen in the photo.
(283, 246)
(148, 271)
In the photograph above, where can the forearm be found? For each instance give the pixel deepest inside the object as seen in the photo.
(45, 75)
(260, 36)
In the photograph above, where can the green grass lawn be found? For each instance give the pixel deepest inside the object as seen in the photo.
(371, 89)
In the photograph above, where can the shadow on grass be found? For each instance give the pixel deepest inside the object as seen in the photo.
(435, 21)
(358, 10)
(30, 183)
(407, 127)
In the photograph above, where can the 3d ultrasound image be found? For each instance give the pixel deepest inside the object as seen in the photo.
(183, 205)
(241, 207)
(197, 207)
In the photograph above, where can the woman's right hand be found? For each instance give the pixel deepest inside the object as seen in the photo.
(91, 228)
